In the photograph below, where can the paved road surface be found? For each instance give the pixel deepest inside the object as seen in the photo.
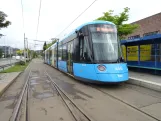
(7, 61)
(122, 102)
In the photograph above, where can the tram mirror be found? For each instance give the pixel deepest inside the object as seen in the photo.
(76, 31)
(81, 35)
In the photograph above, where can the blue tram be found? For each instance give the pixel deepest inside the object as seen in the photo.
(92, 53)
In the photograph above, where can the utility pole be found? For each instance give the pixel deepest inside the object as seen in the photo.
(10, 53)
(27, 49)
(4, 47)
(24, 49)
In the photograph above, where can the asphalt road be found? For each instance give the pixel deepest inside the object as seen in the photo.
(122, 102)
(7, 61)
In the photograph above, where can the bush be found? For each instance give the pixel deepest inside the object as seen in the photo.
(28, 60)
(21, 62)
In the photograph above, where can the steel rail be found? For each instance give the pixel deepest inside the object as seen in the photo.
(65, 102)
(132, 106)
(60, 90)
(18, 104)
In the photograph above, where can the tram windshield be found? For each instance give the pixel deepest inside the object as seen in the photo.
(105, 44)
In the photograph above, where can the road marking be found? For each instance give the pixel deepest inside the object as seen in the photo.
(149, 82)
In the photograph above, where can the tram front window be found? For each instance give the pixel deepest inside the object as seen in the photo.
(105, 47)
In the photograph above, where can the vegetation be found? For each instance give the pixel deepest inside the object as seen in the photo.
(1, 53)
(16, 68)
(3, 22)
(50, 44)
(19, 52)
(21, 63)
(118, 20)
(44, 47)
(35, 55)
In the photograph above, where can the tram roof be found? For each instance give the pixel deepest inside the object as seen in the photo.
(143, 40)
(94, 22)
(87, 23)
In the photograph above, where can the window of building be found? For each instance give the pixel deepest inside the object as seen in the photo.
(134, 37)
(151, 33)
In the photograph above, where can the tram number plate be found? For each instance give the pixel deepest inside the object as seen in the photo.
(119, 75)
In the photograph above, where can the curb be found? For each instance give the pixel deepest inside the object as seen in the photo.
(1, 93)
(144, 83)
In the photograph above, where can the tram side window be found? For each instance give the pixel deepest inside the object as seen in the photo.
(47, 54)
(64, 55)
(87, 50)
(50, 53)
(83, 50)
(76, 50)
(55, 53)
(60, 53)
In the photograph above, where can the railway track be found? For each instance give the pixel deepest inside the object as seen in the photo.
(24, 93)
(126, 103)
(22, 107)
(77, 113)
(73, 110)
(136, 88)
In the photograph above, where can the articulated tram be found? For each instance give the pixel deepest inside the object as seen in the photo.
(91, 53)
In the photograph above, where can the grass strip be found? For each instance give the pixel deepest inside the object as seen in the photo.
(15, 68)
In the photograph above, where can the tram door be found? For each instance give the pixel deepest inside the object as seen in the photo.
(70, 60)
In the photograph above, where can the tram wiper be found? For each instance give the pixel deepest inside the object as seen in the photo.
(119, 60)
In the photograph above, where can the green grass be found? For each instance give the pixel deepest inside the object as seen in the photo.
(15, 68)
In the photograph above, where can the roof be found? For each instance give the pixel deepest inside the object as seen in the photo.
(88, 23)
(147, 17)
(94, 22)
(144, 40)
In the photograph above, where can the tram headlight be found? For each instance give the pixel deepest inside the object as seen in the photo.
(101, 67)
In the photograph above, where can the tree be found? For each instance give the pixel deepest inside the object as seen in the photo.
(44, 47)
(50, 44)
(118, 20)
(3, 22)
(19, 52)
(35, 55)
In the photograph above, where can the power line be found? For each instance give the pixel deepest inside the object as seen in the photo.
(24, 29)
(77, 17)
(38, 40)
(38, 19)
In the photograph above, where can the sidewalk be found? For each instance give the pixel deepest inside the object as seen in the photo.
(6, 80)
(146, 80)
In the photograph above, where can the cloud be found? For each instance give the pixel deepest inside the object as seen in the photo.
(58, 14)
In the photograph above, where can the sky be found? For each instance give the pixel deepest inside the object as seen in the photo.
(55, 15)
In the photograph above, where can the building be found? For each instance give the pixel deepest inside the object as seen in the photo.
(7, 50)
(147, 26)
(142, 48)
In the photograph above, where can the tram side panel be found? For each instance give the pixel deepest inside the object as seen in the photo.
(62, 63)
